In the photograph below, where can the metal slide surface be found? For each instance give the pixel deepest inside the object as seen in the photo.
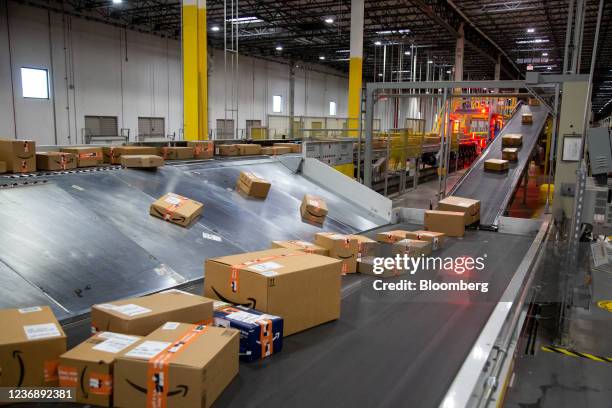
(494, 190)
(87, 237)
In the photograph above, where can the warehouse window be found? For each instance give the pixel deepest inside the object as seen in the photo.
(277, 104)
(35, 83)
(332, 108)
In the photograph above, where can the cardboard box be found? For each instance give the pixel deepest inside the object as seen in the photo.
(510, 154)
(252, 185)
(88, 368)
(202, 149)
(313, 209)
(469, 207)
(534, 102)
(86, 156)
(435, 238)
(451, 223)
(391, 237)
(18, 155)
(31, 341)
(176, 153)
(496, 165)
(54, 161)
(302, 288)
(227, 150)
(195, 363)
(295, 147)
(248, 149)
(512, 140)
(343, 247)
(142, 315)
(112, 154)
(142, 161)
(261, 335)
(2, 167)
(275, 150)
(176, 209)
(527, 119)
(366, 246)
(304, 246)
(412, 247)
(366, 267)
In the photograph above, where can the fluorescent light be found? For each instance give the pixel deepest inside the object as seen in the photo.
(244, 20)
(321, 57)
(379, 75)
(448, 72)
(329, 20)
(531, 30)
(536, 41)
(215, 28)
(377, 43)
(545, 54)
(387, 32)
(117, 1)
(407, 53)
(341, 51)
(279, 48)
(430, 62)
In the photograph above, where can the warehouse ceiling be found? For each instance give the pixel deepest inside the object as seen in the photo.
(520, 33)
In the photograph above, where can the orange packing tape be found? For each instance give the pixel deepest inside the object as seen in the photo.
(68, 376)
(63, 161)
(235, 269)
(169, 214)
(50, 370)
(266, 338)
(26, 147)
(165, 152)
(100, 384)
(344, 267)
(24, 165)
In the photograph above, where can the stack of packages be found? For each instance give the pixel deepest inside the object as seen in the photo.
(452, 215)
(202, 149)
(510, 146)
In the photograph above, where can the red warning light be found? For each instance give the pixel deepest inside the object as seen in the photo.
(483, 111)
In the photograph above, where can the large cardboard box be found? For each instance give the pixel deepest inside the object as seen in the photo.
(86, 156)
(176, 209)
(176, 153)
(88, 368)
(302, 288)
(496, 165)
(412, 247)
(202, 149)
(275, 150)
(141, 161)
(435, 238)
(261, 334)
(55, 161)
(510, 154)
(469, 207)
(31, 341)
(527, 119)
(366, 246)
(512, 140)
(2, 167)
(227, 150)
(178, 365)
(18, 155)
(391, 237)
(313, 209)
(142, 315)
(343, 247)
(248, 149)
(112, 154)
(304, 246)
(252, 185)
(295, 147)
(451, 223)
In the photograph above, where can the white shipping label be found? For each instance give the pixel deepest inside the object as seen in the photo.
(304, 243)
(41, 331)
(106, 306)
(244, 317)
(313, 203)
(211, 237)
(147, 349)
(115, 343)
(131, 309)
(30, 309)
(218, 304)
(172, 200)
(265, 266)
(170, 326)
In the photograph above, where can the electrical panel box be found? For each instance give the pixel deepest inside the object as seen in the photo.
(600, 150)
(597, 208)
(332, 152)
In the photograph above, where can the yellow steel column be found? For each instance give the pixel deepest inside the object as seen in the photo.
(190, 69)
(356, 66)
(202, 71)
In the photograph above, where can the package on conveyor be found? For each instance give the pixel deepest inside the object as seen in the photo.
(178, 365)
(86, 156)
(527, 119)
(88, 367)
(227, 150)
(451, 223)
(369, 266)
(54, 161)
(275, 150)
(366, 246)
(248, 149)
(31, 341)
(412, 247)
(141, 161)
(19, 156)
(512, 140)
(510, 154)
(176, 209)
(112, 154)
(436, 238)
(468, 206)
(176, 152)
(302, 288)
(142, 315)
(202, 149)
(304, 246)
(2, 167)
(295, 147)
(313, 209)
(252, 185)
(342, 247)
(261, 334)
(497, 165)
(390, 237)
(534, 102)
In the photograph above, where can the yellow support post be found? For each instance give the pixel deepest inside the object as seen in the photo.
(355, 68)
(202, 72)
(190, 69)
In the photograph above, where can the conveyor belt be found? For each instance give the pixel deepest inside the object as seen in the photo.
(494, 190)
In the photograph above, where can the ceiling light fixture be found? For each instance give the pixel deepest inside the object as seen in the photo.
(117, 1)
(531, 30)
(215, 28)
(321, 57)
(279, 48)
(430, 62)
(329, 20)
(244, 20)
(377, 43)
(407, 53)
(545, 54)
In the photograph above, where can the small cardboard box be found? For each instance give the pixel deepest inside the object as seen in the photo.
(18, 155)
(302, 288)
(88, 368)
(496, 165)
(534, 102)
(86, 156)
(141, 161)
(196, 363)
(202, 149)
(343, 247)
(451, 223)
(2, 167)
(54, 161)
(366, 246)
(469, 207)
(176, 209)
(261, 335)
(512, 140)
(436, 238)
(510, 154)
(112, 154)
(275, 150)
(142, 315)
(412, 247)
(31, 341)
(527, 119)
(227, 150)
(295, 147)
(366, 266)
(176, 153)
(252, 185)
(248, 149)
(313, 209)
(391, 237)
(304, 246)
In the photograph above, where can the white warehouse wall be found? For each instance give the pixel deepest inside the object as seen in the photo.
(98, 69)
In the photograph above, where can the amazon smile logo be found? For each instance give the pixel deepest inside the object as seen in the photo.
(250, 304)
(17, 355)
(180, 389)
